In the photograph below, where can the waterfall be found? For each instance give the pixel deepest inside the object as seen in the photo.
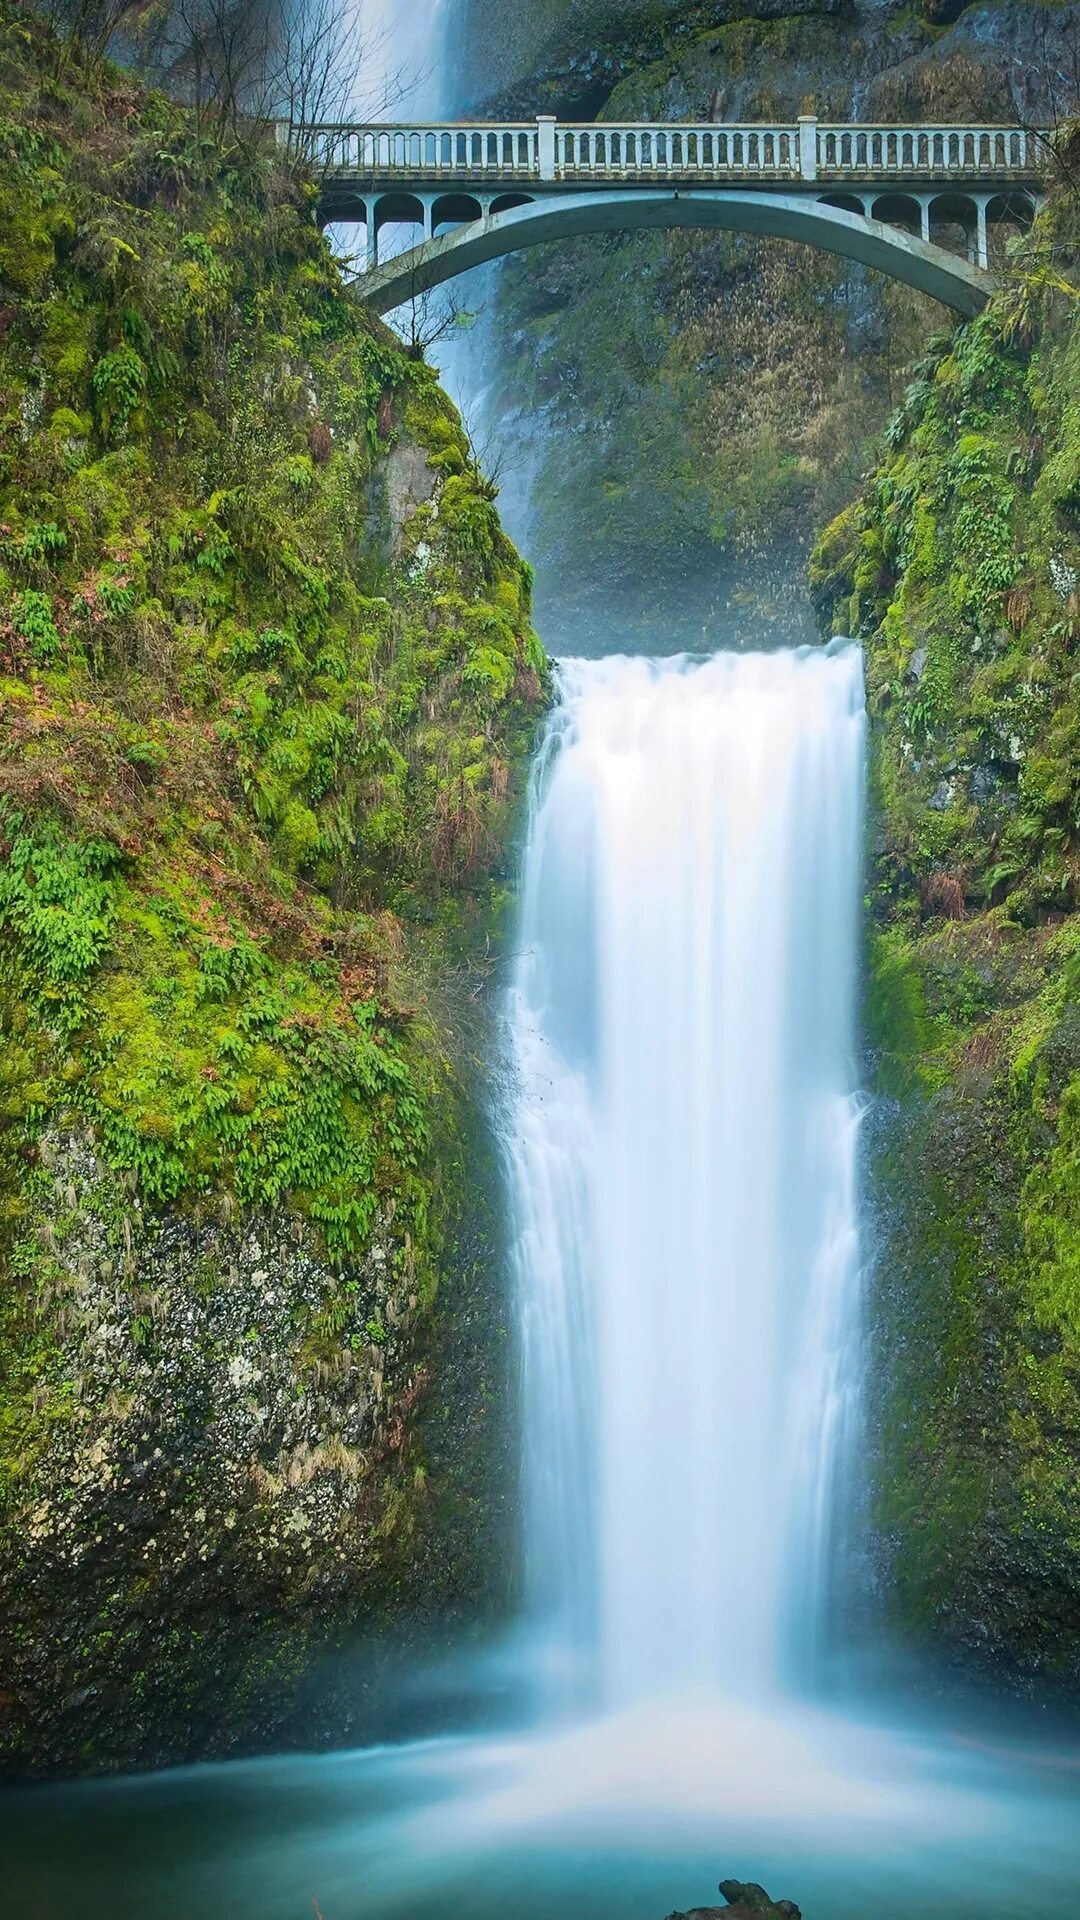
(682, 1162)
(405, 58)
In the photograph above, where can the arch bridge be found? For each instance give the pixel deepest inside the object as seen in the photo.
(916, 202)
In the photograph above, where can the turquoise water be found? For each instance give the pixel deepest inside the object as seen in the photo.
(619, 1820)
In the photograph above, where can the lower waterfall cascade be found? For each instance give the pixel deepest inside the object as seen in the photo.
(682, 1163)
(682, 1123)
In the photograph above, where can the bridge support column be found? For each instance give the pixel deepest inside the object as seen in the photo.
(924, 217)
(372, 235)
(982, 249)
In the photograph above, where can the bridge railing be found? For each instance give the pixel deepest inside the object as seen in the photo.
(643, 151)
(547, 150)
(930, 151)
(416, 151)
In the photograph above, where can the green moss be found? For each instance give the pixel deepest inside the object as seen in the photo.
(959, 562)
(262, 755)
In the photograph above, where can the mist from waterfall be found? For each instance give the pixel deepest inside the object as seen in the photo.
(405, 57)
(683, 1165)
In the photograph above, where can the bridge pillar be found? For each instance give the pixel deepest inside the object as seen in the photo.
(982, 249)
(924, 216)
(808, 145)
(372, 235)
(545, 145)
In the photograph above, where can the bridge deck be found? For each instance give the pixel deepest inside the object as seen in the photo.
(576, 155)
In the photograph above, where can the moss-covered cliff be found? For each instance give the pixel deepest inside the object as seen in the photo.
(268, 676)
(960, 566)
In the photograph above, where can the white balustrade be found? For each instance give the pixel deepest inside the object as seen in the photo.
(559, 151)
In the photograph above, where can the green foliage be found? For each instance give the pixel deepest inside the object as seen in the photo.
(32, 619)
(119, 385)
(58, 898)
(251, 747)
(960, 564)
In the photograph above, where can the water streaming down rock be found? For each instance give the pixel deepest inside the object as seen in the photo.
(683, 1162)
(405, 57)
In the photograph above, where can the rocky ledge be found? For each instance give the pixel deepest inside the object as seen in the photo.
(745, 1901)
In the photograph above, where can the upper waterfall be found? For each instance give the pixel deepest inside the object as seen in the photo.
(683, 1156)
(405, 64)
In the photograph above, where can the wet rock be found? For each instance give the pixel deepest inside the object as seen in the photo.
(984, 783)
(746, 1901)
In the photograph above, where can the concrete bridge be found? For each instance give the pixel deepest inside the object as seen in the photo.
(917, 203)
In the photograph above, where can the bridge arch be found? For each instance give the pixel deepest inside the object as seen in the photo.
(897, 210)
(1013, 209)
(898, 252)
(455, 210)
(396, 209)
(847, 202)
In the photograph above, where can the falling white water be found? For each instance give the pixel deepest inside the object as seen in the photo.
(405, 57)
(683, 1162)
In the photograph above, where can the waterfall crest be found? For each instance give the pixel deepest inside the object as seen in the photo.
(683, 1163)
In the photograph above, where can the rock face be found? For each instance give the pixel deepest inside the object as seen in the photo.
(746, 1901)
(958, 566)
(267, 682)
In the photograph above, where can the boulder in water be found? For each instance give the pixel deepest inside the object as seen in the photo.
(746, 1901)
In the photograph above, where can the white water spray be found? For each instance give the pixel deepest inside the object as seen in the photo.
(683, 1162)
(405, 48)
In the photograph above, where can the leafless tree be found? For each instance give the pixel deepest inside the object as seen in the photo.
(435, 317)
(249, 65)
(1046, 92)
(245, 66)
(86, 29)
